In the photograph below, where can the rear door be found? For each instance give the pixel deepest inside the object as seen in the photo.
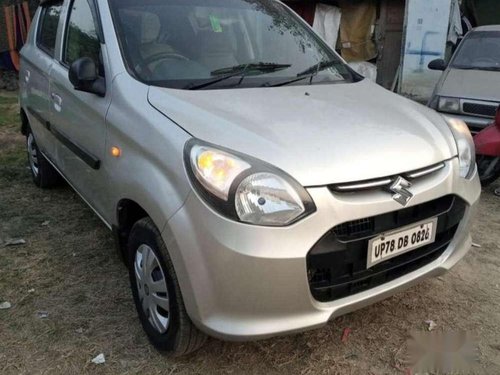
(37, 58)
(78, 118)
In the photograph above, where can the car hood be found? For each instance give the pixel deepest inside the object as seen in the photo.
(319, 134)
(471, 84)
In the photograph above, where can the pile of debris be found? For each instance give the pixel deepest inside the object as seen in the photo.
(8, 80)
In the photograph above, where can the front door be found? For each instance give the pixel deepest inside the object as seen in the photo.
(78, 118)
(36, 63)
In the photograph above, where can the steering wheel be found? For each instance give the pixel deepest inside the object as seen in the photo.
(162, 56)
(144, 65)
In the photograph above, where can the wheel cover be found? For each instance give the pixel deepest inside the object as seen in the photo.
(152, 288)
(33, 155)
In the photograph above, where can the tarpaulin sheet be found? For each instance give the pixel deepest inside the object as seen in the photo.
(4, 43)
(455, 30)
(366, 69)
(15, 26)
(327, 23)
(356, 30)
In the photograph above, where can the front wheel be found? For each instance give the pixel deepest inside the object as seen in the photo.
(157, 294)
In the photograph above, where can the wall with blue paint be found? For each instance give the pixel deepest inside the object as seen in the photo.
(425, 40)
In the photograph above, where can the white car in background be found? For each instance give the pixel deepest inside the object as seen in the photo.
(469, 88)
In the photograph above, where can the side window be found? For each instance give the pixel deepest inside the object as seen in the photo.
(47, 30)
(81, 35)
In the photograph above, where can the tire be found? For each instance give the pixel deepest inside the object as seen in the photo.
(486, 175)
(43, 173)
(153, 282)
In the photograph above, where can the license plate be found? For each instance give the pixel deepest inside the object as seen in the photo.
(392, 244)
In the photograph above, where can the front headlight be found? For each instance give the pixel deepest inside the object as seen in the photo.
(215, 169)
(465, 146)
(267, 199)
(449, 105)
(246, 189)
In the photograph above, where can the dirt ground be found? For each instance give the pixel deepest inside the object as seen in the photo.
(69, 269)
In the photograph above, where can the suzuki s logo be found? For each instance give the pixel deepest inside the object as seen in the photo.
(401, 193)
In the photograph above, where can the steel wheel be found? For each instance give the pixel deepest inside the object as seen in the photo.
(152, 288)
(157, 294)
(33, 155)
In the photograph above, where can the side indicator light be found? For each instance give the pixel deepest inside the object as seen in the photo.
(116, 152)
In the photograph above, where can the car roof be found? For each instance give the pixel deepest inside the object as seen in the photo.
(487, 28)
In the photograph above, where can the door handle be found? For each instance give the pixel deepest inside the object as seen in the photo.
(57, 100)
(27, 76)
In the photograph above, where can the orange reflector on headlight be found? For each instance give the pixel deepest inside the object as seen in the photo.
(205, 160)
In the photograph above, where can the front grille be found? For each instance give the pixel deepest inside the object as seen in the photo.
(488, 110)
(354, 228)
(385, 182)
(336, 265)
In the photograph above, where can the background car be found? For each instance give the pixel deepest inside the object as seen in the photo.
(488, 152)
(468, 88)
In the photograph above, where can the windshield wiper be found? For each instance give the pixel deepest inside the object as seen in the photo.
(259, 67)
(316, 68)
(239, 70)
(310, 73)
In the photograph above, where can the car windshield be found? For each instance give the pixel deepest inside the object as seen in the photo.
(480, 50)
(208, 44)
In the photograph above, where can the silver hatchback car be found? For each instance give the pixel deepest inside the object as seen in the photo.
(254, 183)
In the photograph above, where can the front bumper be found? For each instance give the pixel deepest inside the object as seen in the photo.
(243, 282)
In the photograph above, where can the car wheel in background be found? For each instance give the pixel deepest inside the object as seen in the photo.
(488, 169)
(43, 173)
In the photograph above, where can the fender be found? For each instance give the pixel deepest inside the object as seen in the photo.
(488, 141)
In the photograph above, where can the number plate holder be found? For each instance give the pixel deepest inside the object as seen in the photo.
(404, 239)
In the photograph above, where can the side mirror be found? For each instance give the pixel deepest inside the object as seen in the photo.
(84, 77)
(438, 64)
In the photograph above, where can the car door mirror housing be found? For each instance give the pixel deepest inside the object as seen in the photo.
(438, 64)
(84, 76)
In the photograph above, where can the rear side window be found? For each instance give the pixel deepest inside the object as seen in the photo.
(47, 31)
(81, 35)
